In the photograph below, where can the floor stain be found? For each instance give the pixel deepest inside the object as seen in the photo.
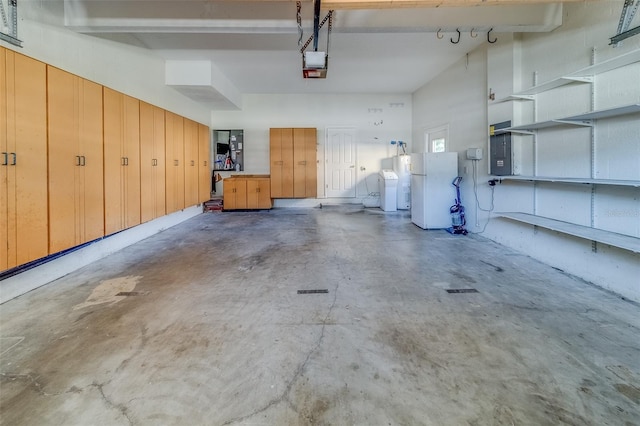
(107, 290)
(631, 392)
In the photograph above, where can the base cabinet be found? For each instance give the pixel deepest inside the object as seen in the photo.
(247, 193)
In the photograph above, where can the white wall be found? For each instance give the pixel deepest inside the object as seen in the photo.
(457, 99)
(511, 64)
(132, 70)
(377, 120)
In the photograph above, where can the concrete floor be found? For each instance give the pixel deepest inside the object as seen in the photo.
(211, 331)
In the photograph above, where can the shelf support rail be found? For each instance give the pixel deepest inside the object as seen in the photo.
(626, 17)
(9, 28)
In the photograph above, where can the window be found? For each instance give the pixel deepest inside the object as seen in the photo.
(435, 139)
(438, 145)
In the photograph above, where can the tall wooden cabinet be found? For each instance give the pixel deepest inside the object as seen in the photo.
(191, 163)
(174, 160)
(152, 162)
(121, 161)
(23, 159)
(204, 167)
(293, 162)
(76, 195)
(305, 169)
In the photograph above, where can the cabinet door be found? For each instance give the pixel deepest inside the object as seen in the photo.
(310, 159)
(258, 193)
(253, 192)
(92, 169)
(275, 154)
(229, 194)
(299, 164)
(152, 162)
(204, 169)
(64, 158)
(131, 151)
(4, 198)
(174, 162)
(23, 136)
(241, 194)
(113, 160)
(190, 162)
(281, 151)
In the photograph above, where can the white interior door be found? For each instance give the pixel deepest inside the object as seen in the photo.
(340, 163)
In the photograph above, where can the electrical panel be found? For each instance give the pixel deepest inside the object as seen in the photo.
(501, 164)
(500, 150)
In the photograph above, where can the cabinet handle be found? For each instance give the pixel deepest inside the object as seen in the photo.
(126, 161)
(5, 162)
(84, 160)
(193, 163)
(154, 162)
(78, 161)
(302, 163)
(13, 156)
(205, 162)
(257, 189)
(175, 162)
(122, 161)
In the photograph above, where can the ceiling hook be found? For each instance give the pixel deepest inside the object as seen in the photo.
(473, 35)
(489, 38)
(438, 34)
(457, 41)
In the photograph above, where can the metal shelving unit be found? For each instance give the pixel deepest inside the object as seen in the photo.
(598, 235)
(582, 181)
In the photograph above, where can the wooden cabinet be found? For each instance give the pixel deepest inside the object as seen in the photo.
(259, 193)
(281, 156)
(293, 162)
(152, 162)
(204, 168)
(191, 162)
(121, 161)
(23, 159)
(76, 194)
(235, 193)
(174, 162)
(247, 192)
(305, 173)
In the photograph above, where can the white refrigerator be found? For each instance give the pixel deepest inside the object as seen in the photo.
(432, 191)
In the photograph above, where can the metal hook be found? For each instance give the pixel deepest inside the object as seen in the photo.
(471, 33)
(488, 39)
(457, 41)
(438, 34)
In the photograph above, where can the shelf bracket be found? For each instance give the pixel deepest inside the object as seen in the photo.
(626, 17)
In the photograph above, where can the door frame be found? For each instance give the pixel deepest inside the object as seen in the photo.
(325, 154)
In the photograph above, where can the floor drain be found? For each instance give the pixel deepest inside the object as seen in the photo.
(462, 290)
(313, 291)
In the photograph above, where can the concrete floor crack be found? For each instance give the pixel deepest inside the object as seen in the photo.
(121, 408)
(32, 380)
(285, 395)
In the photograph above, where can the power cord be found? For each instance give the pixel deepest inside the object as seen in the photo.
(475, 193)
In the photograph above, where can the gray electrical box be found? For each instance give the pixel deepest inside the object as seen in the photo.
(501, 150)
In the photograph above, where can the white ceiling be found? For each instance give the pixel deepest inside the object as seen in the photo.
(254, 45)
